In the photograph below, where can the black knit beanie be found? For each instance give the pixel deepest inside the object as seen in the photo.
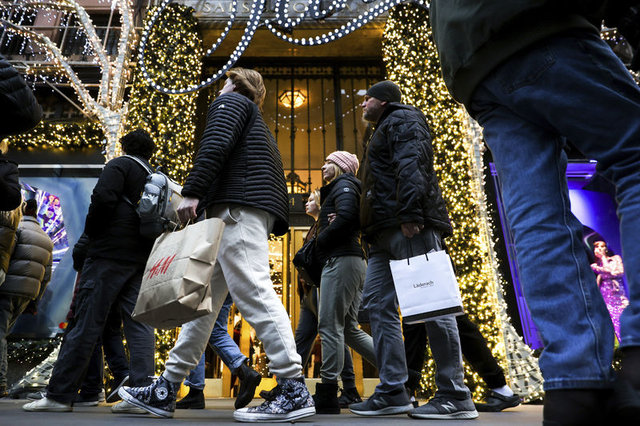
(385, 90)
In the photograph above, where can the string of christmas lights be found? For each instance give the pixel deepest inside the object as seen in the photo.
(174, 58)
(412, 62)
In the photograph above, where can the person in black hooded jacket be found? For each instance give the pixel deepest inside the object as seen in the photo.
(111, 274)
(403, 214)
(338, 243)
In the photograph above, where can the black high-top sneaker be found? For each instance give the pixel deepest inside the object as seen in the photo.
(291, 401)
(159, 398)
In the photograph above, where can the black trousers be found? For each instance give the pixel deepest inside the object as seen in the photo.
(103, 283)
(474, 349)
(114, 354)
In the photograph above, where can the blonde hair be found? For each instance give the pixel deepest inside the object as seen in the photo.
(337, 171)
(11, 219)
(316, 197)
(4, 146)
(248, 83)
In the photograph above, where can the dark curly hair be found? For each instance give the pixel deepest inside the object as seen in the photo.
(138, 142)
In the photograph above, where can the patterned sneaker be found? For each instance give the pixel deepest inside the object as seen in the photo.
(291, 401)
(159, 398)
(380, 404)
(443, 408)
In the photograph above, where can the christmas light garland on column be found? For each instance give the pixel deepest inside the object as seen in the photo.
(174, 49)
(174, 52)
(411, 61)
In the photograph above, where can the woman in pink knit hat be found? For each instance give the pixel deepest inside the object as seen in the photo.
(338, 243)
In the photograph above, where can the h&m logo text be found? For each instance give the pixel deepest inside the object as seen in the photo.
(161, 266)
(427, 284)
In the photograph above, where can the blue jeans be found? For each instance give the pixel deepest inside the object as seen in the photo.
(222, 344)
(567, 87)
(380, 300)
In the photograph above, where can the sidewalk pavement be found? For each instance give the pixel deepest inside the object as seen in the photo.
(219, 411)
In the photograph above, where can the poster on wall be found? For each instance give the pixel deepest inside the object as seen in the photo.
(593, 204)
(63, 202)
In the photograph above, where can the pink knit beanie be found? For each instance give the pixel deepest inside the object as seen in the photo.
(347, 161)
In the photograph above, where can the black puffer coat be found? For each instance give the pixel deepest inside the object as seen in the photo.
(10, 195)
(341, 237)
(112, 224)
(19, 110)
(237, 164)
(399, 184)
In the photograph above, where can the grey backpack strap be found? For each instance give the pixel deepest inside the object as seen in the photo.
(144, 165)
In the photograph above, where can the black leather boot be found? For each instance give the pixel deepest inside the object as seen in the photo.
(349, 396)
(249, 381)
(194, 400)
(326, 398)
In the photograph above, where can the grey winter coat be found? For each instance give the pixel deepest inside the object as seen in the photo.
(30, 267)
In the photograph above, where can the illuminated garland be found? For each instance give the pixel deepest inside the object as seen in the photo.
(412, 62)
(174, 52)
(63, 136)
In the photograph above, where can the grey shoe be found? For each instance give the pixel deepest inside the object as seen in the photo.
(291, 401)
(123, 407)
(46, 404)
(444, 408)
(382, 404)
(34, 396)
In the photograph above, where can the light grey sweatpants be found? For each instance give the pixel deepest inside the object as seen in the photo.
(242, 267)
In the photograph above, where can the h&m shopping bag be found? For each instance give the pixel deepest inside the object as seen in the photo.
(426, 287)
(176, 284)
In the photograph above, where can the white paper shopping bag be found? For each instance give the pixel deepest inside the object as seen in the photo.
(426, 287)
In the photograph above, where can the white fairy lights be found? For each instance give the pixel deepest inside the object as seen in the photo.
(283, 22)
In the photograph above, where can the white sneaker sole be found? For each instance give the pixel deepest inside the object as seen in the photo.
(35, 407)
(458, 415)
(387, 411)
(133, 401)
(243, 415)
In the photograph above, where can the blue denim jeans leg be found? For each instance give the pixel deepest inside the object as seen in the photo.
(222, 344)
(567, 87)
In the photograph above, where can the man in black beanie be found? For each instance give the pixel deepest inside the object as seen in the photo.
(403, 214)
(386, 91)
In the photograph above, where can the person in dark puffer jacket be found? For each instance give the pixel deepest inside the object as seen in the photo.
(111, 275)
(536, 74)
(403, 214)
(19, 112)
(27, 278)
(237, 176)
(343, 273)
